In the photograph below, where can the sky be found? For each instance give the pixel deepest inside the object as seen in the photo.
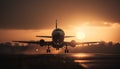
(24, 19)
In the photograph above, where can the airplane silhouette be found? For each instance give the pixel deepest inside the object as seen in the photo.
(57, 42)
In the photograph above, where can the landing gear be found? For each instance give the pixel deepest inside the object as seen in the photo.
(48, 50)
(57, 48)
(66, 50)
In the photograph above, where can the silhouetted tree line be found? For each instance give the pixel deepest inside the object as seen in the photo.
(102, 43)
(15, 48)
(102, 47)
(110, 43)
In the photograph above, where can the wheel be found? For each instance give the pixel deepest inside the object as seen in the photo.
(48, 50)
(66, 51)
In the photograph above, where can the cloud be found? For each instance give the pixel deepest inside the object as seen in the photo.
(42, 14)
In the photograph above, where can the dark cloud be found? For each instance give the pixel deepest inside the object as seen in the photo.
(41, 14)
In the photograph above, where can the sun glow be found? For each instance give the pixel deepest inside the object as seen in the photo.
(80, 35)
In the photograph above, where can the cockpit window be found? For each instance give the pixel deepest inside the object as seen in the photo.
(58, 30)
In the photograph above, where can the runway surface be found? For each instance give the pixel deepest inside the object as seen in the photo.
(61, 61)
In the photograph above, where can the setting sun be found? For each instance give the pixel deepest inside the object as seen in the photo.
(80, 35)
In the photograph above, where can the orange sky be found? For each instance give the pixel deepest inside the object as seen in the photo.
(91, 32)
(97, 20)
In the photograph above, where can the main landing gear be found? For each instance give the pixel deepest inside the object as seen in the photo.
(66, 50)
(48, 50)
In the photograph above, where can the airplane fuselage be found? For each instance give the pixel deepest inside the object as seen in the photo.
(58, 38)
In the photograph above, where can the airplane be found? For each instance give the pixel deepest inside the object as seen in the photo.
(58, 36)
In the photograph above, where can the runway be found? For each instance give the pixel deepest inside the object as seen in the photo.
(61, 61)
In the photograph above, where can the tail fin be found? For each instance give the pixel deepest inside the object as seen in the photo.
(56, 23)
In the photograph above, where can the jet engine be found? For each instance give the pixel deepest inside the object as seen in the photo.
(42, 42)
(73, 43)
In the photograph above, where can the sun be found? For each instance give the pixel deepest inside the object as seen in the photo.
(80, 35)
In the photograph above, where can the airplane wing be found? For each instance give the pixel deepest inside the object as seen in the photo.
(86, 43)
(73, 43)
(33, 42)
(45, 36)
(69, 36)
(51, 36)
(41, 42)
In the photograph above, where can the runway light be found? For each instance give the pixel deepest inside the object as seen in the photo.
(37, 49)
(80, 55)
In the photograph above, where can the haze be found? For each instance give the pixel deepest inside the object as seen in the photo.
(23, 20)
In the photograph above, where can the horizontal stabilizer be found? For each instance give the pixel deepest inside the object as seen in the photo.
(45, 36)
(69, 36)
